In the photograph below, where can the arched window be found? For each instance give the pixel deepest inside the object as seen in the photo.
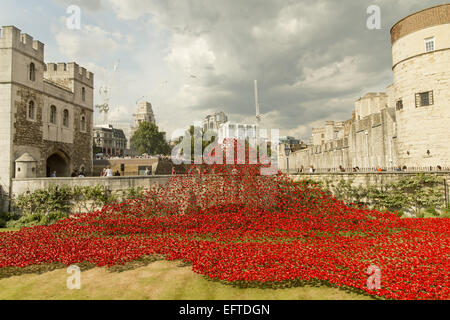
(53, 114)
(32, 72)
(83, 94)
(31, 110)
(83, 123)
(66, 118)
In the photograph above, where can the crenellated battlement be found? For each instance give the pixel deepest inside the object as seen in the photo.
(69, 71)
(11, 37)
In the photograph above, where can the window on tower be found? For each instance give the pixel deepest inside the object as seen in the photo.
(424, 99)
(31, 110)
(83, 123)
(32, 72)
(53, 114)
(66, 118)
(399, 105)
(429, 45)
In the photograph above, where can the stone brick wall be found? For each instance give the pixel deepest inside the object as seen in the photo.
(355, 149)
(420, 129)
(82, 152)
(373, 178)
(114, 184)
(28, 135)
(117, 186)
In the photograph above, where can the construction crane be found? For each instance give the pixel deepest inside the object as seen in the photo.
(105, 92)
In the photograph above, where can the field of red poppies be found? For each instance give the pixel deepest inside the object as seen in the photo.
(237, 226)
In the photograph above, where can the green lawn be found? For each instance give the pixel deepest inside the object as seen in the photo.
(158, 280)
(9, 229)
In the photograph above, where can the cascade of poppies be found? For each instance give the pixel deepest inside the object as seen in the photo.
(234, 224)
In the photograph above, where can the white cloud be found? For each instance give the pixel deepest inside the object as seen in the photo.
(93, 5)
(313, 58)
(190, 55)
(88, 43)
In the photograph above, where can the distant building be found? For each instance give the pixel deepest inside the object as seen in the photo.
(144, 113)
(230, 130)
(214, 121)
(289, 140)
(111, 141)
(126, 127)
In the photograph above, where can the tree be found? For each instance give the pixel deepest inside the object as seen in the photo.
(148, 139)
(197, 133)
(96, 149)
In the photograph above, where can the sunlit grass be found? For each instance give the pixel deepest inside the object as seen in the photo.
(158, 280)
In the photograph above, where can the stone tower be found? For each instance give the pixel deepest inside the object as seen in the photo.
(421, 89)
(144, 113)
(46, 112)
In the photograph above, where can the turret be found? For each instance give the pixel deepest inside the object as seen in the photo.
(11, 37)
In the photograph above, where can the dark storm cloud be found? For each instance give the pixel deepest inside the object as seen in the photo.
(334, 32)
(312, 58)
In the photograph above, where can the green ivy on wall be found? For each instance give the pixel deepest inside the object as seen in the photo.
(419, 195)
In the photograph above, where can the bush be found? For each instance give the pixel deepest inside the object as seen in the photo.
(411, 194)
(5, 217)
(46, 206)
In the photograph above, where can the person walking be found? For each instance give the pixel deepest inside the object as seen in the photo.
(109, 172)
(53, 175)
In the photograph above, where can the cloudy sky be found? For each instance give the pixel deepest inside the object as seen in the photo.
(191, 58)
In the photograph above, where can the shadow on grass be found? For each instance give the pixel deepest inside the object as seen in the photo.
(295, 283)
(146, 260)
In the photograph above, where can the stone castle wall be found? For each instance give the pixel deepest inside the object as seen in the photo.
(423, 131)
(65, 86)
(368, 143)
(364, 179)
(118, 185)
(114, 184)
(390, 130)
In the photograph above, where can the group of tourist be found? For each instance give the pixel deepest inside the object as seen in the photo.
(302, 169)
(79, 174)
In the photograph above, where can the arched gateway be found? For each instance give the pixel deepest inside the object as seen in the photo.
(59, 162)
